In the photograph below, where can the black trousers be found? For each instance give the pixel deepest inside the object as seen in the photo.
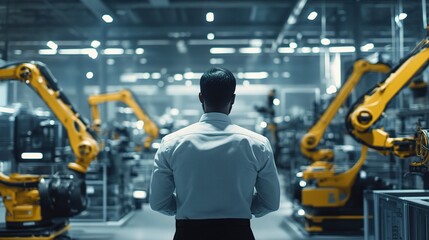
(214, 229)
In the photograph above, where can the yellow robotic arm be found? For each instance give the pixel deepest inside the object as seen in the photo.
(311, 139)
(34, 201)
(127, 97)
(367, 110)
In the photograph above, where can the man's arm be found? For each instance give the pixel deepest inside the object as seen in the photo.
(161, 197)
(267, 196)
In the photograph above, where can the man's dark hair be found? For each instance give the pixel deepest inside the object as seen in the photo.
(217, 86)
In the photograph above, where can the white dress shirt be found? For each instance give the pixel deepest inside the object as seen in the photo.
(211, 169)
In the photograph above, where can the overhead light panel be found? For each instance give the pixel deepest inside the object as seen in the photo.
(325, 41)
(192, 75)
(178, 77)
(52, 45)
(367, 47)
(155, 75)
(312, 16)
(210, 36)
(113, 51)
(256, 42)
(285, 50)
(255, 75)
(250, 50)
(315, 50)
(47, 52)
(139, 51)
(402, 16)
(210, 17)
(222, 50)
(342, 49)
(306, 50)
(293, 45)
(32, 155)
(216, 61)
(95, 44)
(89, 75)
(107, 18)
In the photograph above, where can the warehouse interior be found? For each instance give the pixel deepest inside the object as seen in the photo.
(339, 87)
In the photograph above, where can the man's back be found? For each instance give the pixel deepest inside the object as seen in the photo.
(215, 166)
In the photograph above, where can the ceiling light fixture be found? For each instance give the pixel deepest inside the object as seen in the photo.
(95, 44)
(210, 17)
(312, 16)
(222, 50)
(107, 18)
(210, 36)
(325, 41)
(52, 45)
(139, 51)
(250, 50)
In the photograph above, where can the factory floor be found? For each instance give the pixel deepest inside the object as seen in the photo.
(150, 225)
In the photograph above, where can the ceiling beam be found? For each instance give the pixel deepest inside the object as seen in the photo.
(98, 8)
(291, 20)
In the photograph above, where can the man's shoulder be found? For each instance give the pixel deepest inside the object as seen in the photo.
(181, 132)
(248, 133)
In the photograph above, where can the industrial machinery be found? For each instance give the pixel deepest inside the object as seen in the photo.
(311, 139)
(321, 158)
(127, 97)
(38, 207)
(331, 203)
(118, 166)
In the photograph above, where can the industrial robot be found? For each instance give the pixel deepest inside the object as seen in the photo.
(328, 198)
(38, 207)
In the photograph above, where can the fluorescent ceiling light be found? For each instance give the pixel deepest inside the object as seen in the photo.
(113, 51)
(402, 16)
(285, 50)
(312, 16)
(293, 45)
(107, 18)
(256, 42)
(315, 49)
(31, 155)
(367, 47)
(75, 51)
(192, 75)
(155, 75)
(52, 45)
(210, 17)
(178, 77)
(89, 75)
(222, 50)
(286, 74)
(216, 61)
(306, 50)
(7, 110)
(95, 44)
(139, 51)
(325, 41)
(210, 36)
(93, 53)
(276, 101)
(342, 49)
(17, 52)
(128, 77)
(250, 50)
(291, 20)
(47, 52)
(254, 75)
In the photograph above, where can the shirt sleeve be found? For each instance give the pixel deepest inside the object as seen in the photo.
(162, 197)
(267, 196)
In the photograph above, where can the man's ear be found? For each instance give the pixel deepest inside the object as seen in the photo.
(200, 96)
(232, 99)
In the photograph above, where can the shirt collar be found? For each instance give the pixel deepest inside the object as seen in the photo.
(215, 116)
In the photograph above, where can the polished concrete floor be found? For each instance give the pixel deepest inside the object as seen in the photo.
(150, 225)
